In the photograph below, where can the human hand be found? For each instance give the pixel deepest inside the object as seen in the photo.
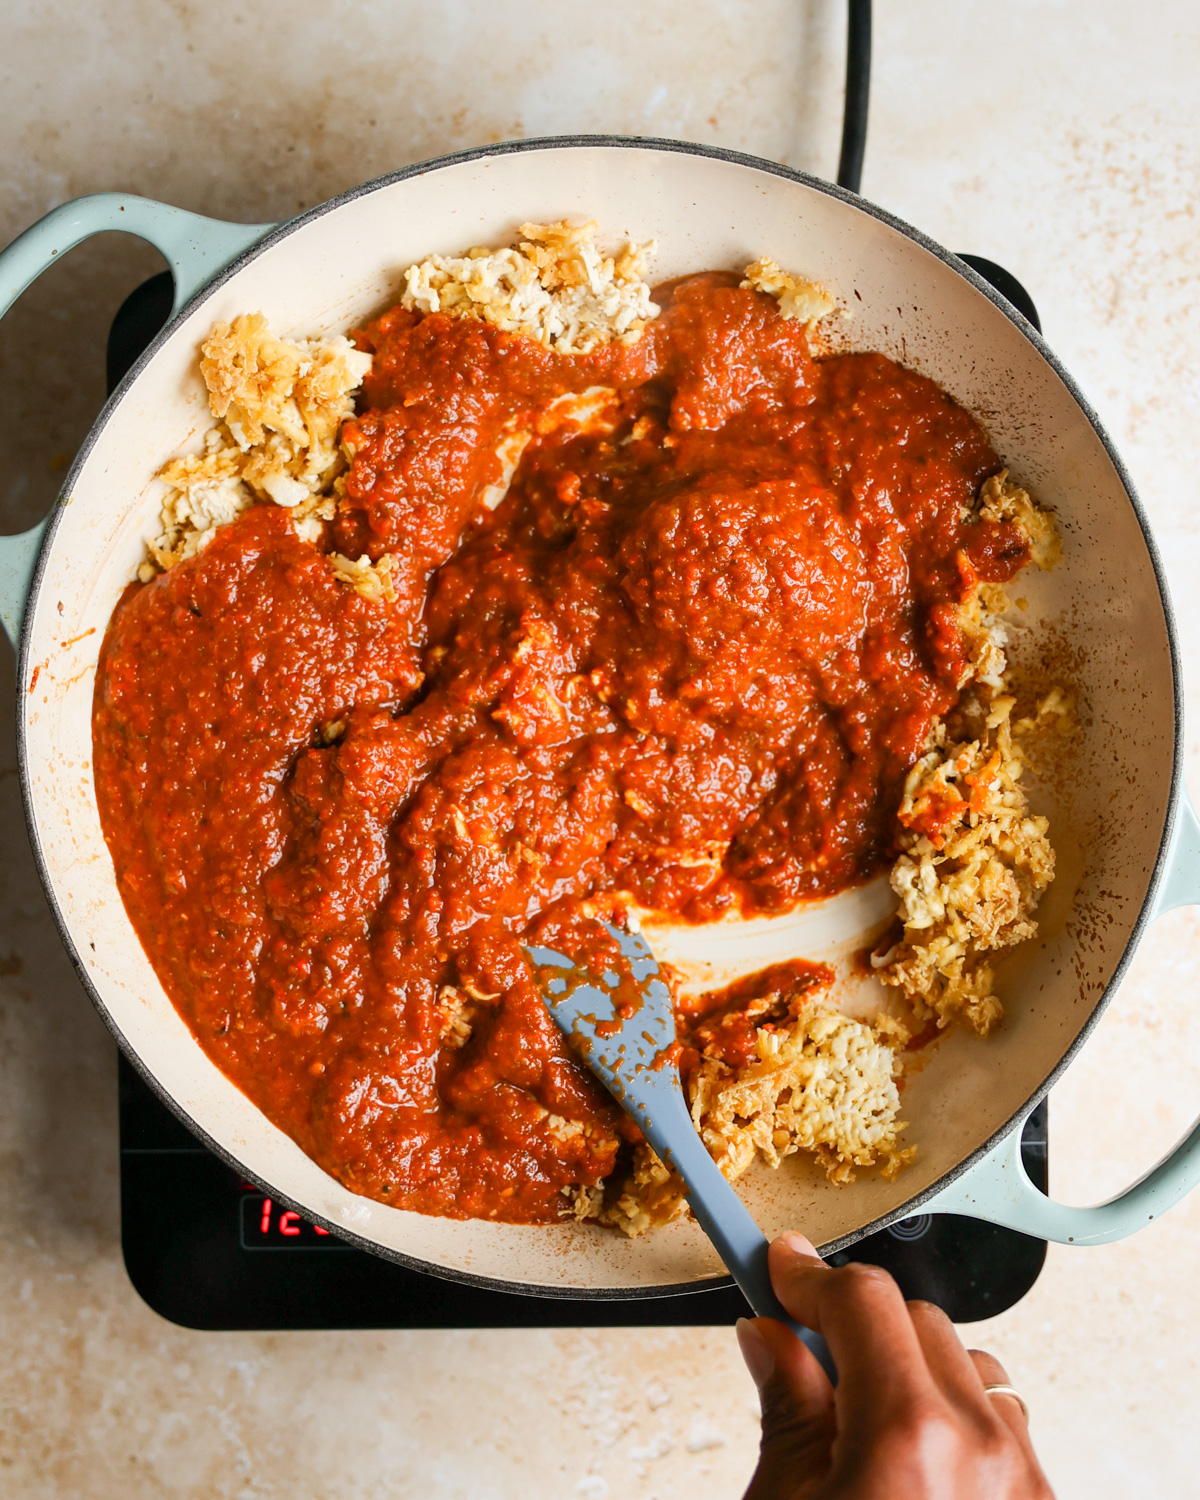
(909, 1420)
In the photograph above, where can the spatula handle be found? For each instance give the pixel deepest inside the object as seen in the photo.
(728, 1223)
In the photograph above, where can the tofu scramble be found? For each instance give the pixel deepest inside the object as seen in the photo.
(547, 594)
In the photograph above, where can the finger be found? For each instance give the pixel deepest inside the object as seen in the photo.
(988, 1367)
(861, 1313)
(773, 1353)
(798, 1425)
(991, 1372)
(949, 1363)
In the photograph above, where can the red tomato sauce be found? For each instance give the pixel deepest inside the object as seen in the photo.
(689, 657)
(725, 1023)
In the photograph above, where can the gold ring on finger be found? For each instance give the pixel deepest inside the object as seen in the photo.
(1001, 1389)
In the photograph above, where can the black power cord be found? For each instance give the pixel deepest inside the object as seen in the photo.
(854, 142)
(858, 90)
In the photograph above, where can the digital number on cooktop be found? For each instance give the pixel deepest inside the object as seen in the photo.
(267, 1225)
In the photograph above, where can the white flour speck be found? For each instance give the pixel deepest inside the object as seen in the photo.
(657, 1447)
(701, 1437)
(656, 1396)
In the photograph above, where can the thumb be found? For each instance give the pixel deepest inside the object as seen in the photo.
(798, 1425)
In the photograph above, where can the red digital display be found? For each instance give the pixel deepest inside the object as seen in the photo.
(267, 1225)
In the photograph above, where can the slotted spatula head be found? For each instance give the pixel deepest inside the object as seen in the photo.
(622, 1024)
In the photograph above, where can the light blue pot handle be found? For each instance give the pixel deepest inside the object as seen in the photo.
(998, 1188)
(195, 248)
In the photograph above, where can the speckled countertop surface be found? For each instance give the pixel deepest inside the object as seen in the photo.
(1062, 140)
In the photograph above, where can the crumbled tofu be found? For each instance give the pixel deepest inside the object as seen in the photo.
(298, 392)
(821, 1083)
(1054, 714)
(280, 405)
(457, 1016)
(824, 1082)
(563, 1129)
(373, 580)
(554, 286)
(975, 862)
(653, 1195)
(585, 1202)
(982, 625)
(1002, 501)
(805, 301)
(204, 491)
(310, 515)
(974, 868)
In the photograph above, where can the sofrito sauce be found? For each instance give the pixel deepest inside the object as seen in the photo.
(690, 657)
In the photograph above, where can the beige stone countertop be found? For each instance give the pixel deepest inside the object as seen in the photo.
(1061, 139)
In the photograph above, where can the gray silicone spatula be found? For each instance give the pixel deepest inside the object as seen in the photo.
(629, 1053)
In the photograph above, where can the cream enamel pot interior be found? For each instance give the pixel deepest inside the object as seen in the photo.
(1128, 843)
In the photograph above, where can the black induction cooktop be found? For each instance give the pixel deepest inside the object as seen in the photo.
(208, 1250)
